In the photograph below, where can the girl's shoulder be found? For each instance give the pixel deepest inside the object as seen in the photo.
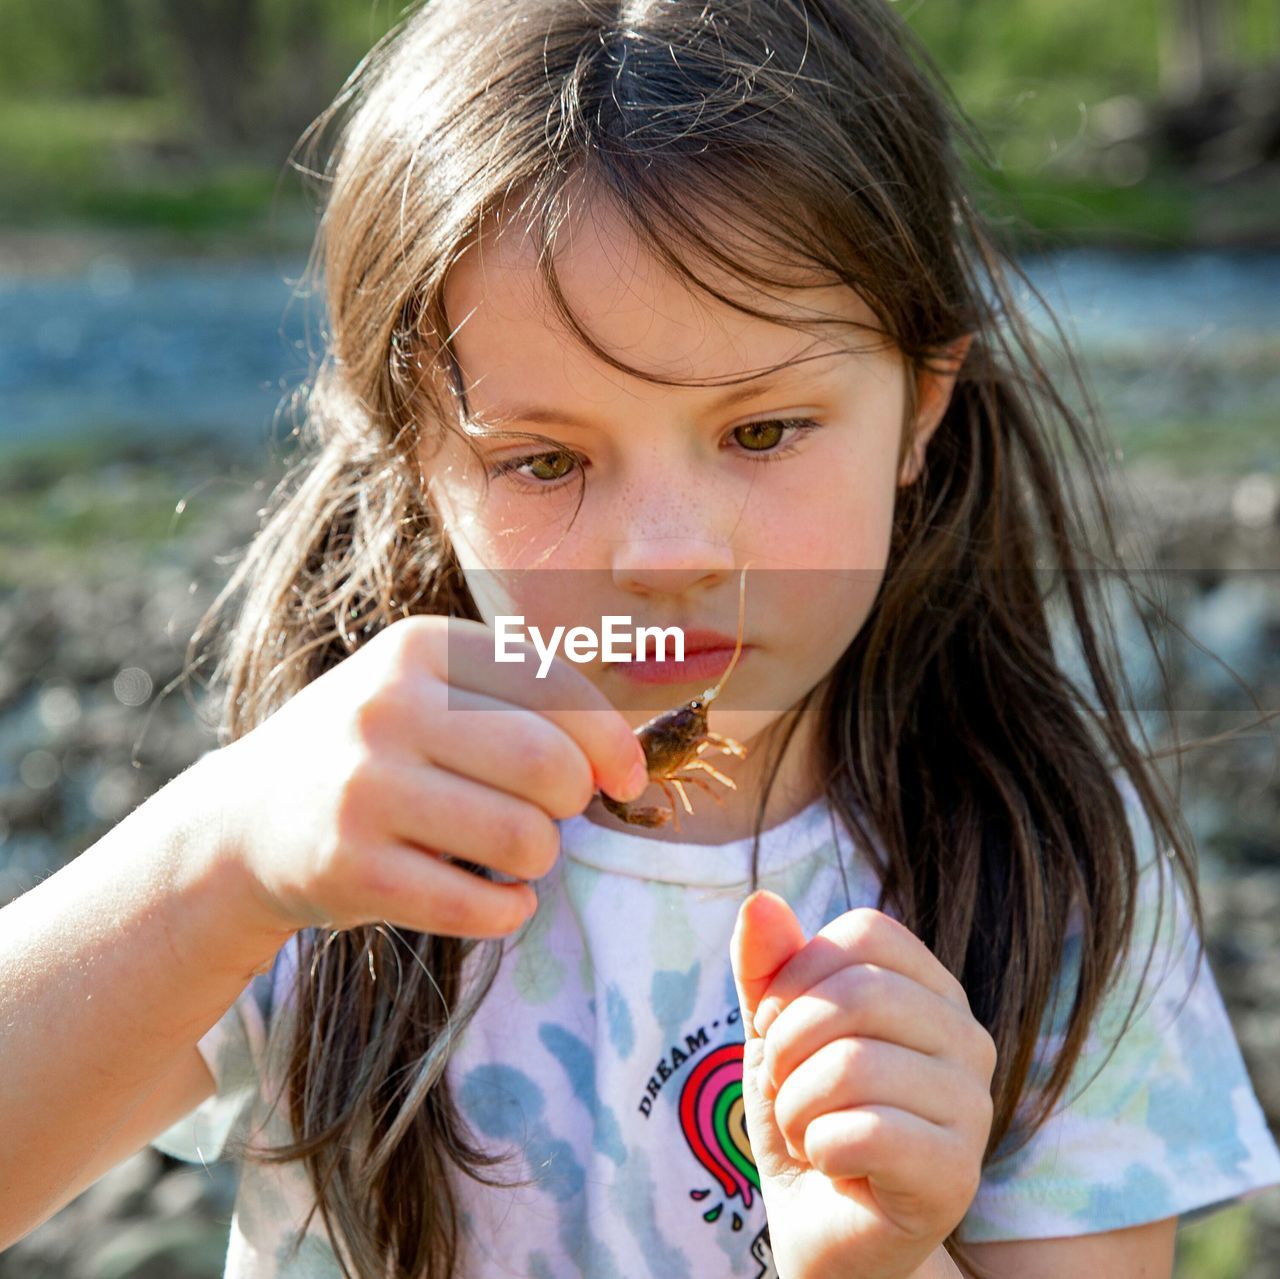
(1159, 1117)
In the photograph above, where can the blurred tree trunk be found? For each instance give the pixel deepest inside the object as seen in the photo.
(308, 73)
(216, 41)
(123, 71)
(1195, 46)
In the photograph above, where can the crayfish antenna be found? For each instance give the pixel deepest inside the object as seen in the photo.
(712, 693)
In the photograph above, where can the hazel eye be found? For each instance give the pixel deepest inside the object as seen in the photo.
(555, 466)
(773, 439)
(759, 436)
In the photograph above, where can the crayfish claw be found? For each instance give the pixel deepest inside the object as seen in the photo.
(641, 815)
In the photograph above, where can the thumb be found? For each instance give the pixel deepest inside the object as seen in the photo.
(766, 935)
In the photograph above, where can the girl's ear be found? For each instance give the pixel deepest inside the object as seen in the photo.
(933, 394)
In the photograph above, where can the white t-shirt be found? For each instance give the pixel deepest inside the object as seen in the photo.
(607, 1059)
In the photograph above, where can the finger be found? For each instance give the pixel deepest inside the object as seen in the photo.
(448, 813)
(766, 935)
(412, 888)
(863, 1000)
(891, 1147)
(768, 1146)
(510, 748)
(462, 654)
(862, 935)
(857, 1072)
(880, 1141)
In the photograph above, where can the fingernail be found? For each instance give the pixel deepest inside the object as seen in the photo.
(637, 782)
(766, 1015)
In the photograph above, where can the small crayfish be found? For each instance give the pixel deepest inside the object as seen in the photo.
(673, 743)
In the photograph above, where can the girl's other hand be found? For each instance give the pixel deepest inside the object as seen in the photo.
(347, 803)
(867, 1086)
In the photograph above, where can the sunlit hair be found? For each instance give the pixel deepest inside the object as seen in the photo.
(979, 776)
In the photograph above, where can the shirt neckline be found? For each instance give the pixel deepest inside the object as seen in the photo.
(623, 853)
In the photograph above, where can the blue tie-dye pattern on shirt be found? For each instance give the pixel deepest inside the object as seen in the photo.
(579, 1064)
(622, 1031)
(505, 1103)
(673, 994)
(540, 1267)
(1173, 1101)
(634, 1199)
(1141, 1189)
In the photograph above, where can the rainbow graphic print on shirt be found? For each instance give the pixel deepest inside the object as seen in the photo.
(714, 1121)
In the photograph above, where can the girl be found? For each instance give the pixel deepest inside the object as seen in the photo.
(485, 1026)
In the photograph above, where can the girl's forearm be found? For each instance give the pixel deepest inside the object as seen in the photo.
(110, 970)
(939, 1266)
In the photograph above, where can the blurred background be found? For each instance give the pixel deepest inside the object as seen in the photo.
(152, 240)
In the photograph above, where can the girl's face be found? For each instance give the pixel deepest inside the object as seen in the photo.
(795, 471)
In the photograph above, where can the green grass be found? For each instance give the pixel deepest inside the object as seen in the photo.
(1217, 1247)
(1234, 445)
(65, 139)
(83, 513)
(90, 499)
(1159, 212)
(126, 163)
(225, 199)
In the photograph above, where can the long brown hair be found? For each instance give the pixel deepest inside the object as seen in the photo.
(951, 737)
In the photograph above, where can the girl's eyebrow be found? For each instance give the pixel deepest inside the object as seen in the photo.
(746, 389)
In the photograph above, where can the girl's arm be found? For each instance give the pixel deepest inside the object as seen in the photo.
(110, 971)
(331, 812)
(1138, 1252)
(939, 1266)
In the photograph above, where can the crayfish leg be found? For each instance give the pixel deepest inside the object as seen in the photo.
(706, 786)
(679, 788)
(722, 743)
(715, 772)
(673, 813)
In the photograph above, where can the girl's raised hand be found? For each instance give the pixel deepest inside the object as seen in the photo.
(346, 804)
(866, 1084)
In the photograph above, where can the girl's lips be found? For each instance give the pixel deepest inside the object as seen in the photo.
(705, 666)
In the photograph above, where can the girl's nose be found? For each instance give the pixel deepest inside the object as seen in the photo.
(672, 524)
(670, 565)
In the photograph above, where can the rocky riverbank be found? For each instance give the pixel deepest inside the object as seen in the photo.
(103, 582)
